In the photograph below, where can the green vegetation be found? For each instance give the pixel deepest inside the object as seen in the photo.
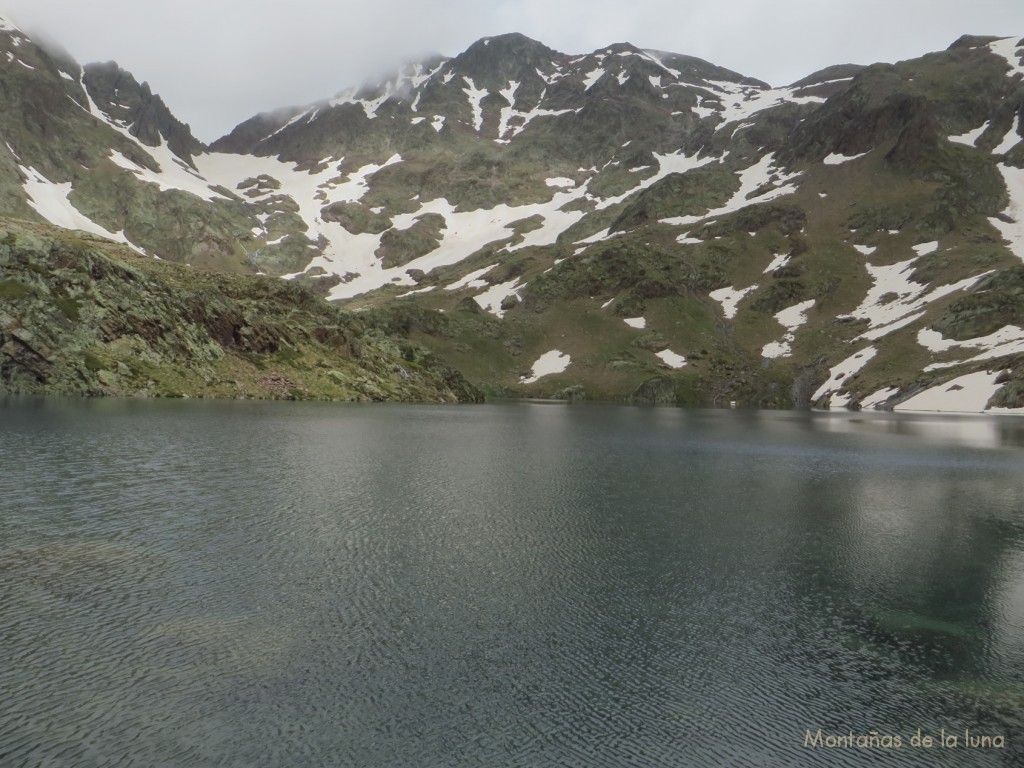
(996, 301)
(98, 319)
(13, 290)
(679, 194)
(398, 247)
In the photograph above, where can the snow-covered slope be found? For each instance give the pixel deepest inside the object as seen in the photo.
(843, 231)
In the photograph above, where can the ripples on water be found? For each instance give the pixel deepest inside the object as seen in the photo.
(242, 584)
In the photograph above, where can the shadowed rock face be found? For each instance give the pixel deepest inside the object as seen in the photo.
(145, 115)
(250, 132)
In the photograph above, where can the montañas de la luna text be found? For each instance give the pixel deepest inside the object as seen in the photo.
(875, 740)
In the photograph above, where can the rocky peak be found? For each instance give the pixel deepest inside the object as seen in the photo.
(972, 41)
(492, 62)
(246, 136)
(829, 74)
(399, 85)
(9, 27)
(135, 107)
(694, 70)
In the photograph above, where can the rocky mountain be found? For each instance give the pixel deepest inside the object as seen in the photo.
(621, 224)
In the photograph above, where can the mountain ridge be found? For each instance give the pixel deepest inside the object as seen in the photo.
(695, 235)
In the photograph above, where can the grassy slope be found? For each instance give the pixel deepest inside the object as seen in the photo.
(83, 316)
(646, 272)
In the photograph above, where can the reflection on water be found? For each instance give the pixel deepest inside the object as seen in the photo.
(975, 431)
(257, 584)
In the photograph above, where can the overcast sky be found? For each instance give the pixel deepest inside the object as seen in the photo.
(218, 62)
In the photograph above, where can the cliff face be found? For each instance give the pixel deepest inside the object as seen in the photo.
(82, 316)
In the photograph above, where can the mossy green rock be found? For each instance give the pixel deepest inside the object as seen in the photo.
(149, 328)
(996, 301)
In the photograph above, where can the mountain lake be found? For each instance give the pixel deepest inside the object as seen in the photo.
(197, 583)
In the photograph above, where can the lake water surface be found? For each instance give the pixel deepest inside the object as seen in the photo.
(284, 584)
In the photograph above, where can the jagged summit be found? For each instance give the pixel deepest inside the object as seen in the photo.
(493, 62)
(833, 73)
(972, 41)
(499, 88)
(134, 106)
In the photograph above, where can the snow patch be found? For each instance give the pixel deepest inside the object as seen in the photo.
(472, 280)
(878, 397)
(310, 190)
(836, 159)
(596, 237)
(779, 261)
(635, 322)
(885, 330)
(740, 102)
(687, 240)
(1008, 48)
(671, 359)
(418, 290)
(751, 179)
(173, 173)
(730, 298)
(971, 136)
(592, 77)
(1008, 340)
(673, 163)
(475, 96)
(547, 364)
(491, 298)
(549, 79)
(894, 300)
(791, 318)
(1013, 230)
(923, 249)
(1010, 140)
(964, 394)
(392, 88)
(50, 200)
(509, 94)
(839, 373)
(655, 56)
(528, 117)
